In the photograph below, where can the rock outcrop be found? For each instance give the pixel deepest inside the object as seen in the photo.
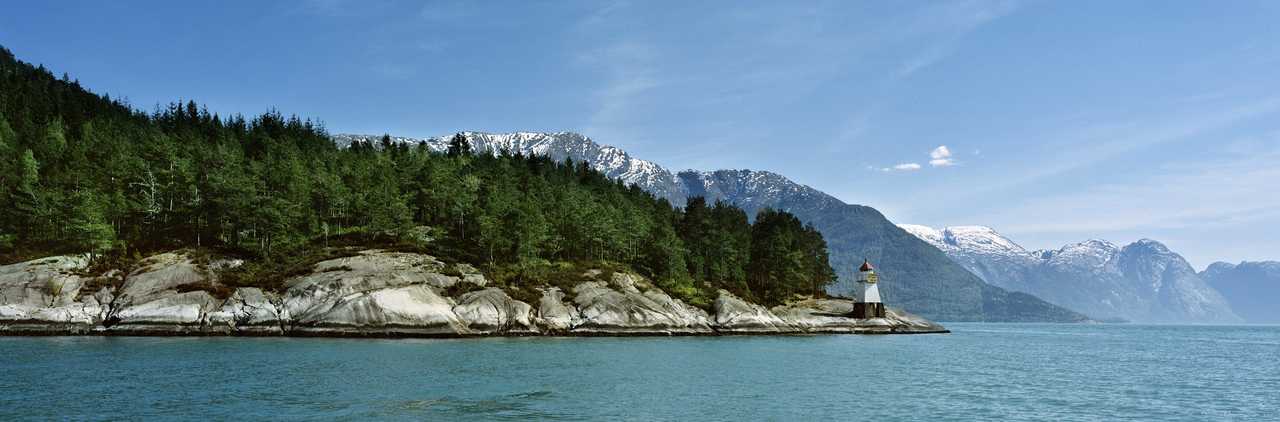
(380, 293)
(250, 311)
(737, 316)
(826, 316)
(628, 304)
(43, 292)
(554, 315)
(492, 311)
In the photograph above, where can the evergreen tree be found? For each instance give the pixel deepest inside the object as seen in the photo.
(82, 173)
(459, 146)
(86, 223)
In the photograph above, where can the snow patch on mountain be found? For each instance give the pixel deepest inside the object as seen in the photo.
(1143, 281)
(972, 239)
(612, 161)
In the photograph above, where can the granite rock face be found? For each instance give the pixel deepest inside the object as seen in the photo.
(826, 316)
(380, 293)
(627, 304)
(554, 315)
(491, 310)
(734, 315)
(161, 295)
(249, 310)
(44, 291)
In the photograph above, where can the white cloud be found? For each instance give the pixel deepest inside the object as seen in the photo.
(941, 157)
(940, 152)
(904, 167)
(938, 157)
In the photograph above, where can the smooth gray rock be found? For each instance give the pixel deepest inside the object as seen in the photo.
(378, 293)
(554, 315)
(249, 309)
(41, 283)
(827, 316)
(736, 316)
(160, 275)
(471, 275)
(408, 310)
(492, 311)
(171, 309)
(45, 290)
(374, 291)
(620, 307)
(149, 299)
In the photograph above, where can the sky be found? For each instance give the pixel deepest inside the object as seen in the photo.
(1052, 122)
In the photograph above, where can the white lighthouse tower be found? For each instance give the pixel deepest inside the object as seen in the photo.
(866, 293)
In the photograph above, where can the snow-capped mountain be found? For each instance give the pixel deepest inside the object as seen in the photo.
(916, 276)
(983, 251)
(1143, 281)
(753, 190)
(611, 161)
(1252, 288)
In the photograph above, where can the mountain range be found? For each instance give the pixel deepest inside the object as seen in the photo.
(1251, 287)
(1141, 282)
(916, 276)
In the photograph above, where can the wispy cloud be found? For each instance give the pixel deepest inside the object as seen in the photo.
(440, 12)
(946, 24)
(1237, 188)
(903, 167)
(629, 73)
(1105, 141)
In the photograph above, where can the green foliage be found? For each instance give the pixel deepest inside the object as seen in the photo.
(87, 225)
(95, 175)
(787, 258)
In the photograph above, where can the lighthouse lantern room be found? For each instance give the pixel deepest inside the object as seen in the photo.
(866, 302)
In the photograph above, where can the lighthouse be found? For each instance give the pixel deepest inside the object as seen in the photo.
(866, 303)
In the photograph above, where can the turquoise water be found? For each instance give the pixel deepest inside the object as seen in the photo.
(981, 371)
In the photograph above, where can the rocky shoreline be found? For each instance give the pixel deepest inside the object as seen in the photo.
(388, 295)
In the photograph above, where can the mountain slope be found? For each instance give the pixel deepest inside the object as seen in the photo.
(1252, 288)
(1143, 281)
(916, 276)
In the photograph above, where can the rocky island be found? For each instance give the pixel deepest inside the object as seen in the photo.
(378, 293)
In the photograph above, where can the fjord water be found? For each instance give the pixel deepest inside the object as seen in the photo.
(980, 371)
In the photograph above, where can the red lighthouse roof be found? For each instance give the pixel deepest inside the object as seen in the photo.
(866, 266)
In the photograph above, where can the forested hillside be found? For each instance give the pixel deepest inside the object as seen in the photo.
(85, 173)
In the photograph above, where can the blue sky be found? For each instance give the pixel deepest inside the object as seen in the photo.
(1062, 121)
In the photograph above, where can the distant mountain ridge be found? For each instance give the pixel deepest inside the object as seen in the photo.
(1141, 282)
(1252, 288)
(612, 161)
(917, 276)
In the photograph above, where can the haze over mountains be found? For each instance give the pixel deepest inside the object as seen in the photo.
(1251, 287)
(917, 276)
(1140, 282)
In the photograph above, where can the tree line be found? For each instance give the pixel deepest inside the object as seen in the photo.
(87, 173)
